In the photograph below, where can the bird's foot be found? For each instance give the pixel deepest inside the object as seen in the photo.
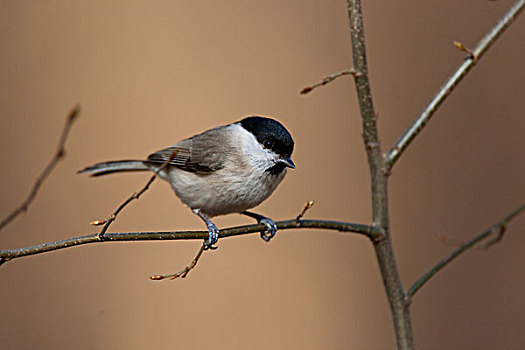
(271, 229)
(213, 236)
(213, 231)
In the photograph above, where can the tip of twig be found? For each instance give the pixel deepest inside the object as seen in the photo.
(156, 277)
(181, 274)
(98, 222)
(307, 206)
(459, 45)
(328, 79)
(499, 230)
(465, 49)
(306, 90)
(74, 113)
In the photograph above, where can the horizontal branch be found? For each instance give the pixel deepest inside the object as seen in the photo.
(369, 231)
(404, 141)
(498, 228)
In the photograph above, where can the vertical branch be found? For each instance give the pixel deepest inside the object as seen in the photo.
(379, 181)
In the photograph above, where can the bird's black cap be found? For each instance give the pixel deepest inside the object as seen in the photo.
(270, 133)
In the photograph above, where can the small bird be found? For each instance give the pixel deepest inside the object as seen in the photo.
(224, 170)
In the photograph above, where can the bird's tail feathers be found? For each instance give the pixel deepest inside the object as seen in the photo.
(114, 167)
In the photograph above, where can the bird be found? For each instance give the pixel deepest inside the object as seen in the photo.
(227, 169)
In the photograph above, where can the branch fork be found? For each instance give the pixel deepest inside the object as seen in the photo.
(380, 168)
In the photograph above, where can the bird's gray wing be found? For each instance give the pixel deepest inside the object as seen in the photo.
(203, 153)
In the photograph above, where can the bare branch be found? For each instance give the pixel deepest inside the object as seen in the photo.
(134, 196)
(307, 206)
(481, 48)
(121, 207)
(366, 230)
(182, 273)
(59, 154)
(498, 229)
(379, 181)
(327, 79)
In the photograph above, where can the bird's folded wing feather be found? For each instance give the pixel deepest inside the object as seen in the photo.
(201, 153)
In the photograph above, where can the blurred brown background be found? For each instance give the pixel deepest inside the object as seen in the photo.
(148, 74)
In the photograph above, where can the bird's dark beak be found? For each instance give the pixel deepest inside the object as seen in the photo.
(288, 162)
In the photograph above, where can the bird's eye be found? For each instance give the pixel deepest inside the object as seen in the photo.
(268, 144)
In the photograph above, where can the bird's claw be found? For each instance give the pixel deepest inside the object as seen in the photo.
(271, 229)
(213, 236)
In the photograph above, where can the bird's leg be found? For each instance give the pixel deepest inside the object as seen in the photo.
(271, 227)
(213, 231)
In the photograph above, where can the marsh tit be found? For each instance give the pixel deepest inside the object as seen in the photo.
(227, 169)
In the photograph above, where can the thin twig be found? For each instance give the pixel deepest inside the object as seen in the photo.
(369, 231)
(182, 273)
(59, 154)
(113, 216)
(465, 49)
(307, 206)
(500, 232)
(134, 196)
(327, 79)
(481, 48)
(498, 229)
